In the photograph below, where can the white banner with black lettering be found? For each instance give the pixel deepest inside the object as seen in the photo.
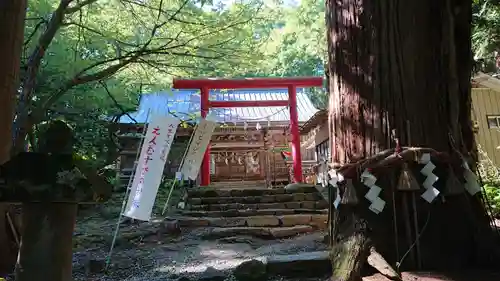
(151, 163)
(196, 151)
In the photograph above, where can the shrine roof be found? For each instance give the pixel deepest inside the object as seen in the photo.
(185, 104)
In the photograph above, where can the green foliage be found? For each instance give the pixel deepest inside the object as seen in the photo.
(298, 45)
(490, 177)
(486, 33)
(106, 52)
(103, 53)
(492, 193)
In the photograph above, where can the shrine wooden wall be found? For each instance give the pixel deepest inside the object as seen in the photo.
(249, 155)
(236, 153)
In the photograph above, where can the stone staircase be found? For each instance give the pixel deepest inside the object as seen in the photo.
(243, 208)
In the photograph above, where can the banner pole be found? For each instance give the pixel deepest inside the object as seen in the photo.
(124, 202)
(165, 207)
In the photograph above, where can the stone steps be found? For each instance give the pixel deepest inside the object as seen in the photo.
(295, 197)
(221, 200)
(238, 184)
(260, 212)
(260, 232)
(246, 213)
(318, 221)
(315, 205)
(245, 192)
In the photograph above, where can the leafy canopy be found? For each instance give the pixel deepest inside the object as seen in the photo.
(86, 60)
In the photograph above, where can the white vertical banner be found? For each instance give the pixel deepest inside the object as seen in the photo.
(194, 156)
(151, 163)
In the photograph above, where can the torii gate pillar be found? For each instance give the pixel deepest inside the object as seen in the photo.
(205, 85)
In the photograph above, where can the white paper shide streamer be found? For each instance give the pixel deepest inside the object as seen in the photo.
(471, 182)
(147, 178)
(336, 178)
(373, 193)
(431, 192)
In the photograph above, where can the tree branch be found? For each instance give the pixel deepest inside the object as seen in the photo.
(79, 6)
(33, 64)
(78, 80)
(97, 32)
(101, 70)
(35, 30)
(117, 104)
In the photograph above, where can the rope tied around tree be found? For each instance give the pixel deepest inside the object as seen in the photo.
(407, 160)
(387, 158)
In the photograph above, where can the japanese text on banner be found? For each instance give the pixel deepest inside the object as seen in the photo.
(148, 175)
(196, 150)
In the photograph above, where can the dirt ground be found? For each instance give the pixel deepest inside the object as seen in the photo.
(432, 276)
(143, 253)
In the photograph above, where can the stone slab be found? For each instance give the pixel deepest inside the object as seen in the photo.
(297, 197)
(284, 198)
(260, 206)
(319, 221)
(271, 206)
(261, 232)
(308, 264)
(308, 205)
(312, 196)
(227, 222)
(293, 205)
(245, 213)
(292, 220)
(192, 222)
(321, 204)
(300, 188)
(238, 192)
(262, 221)
(284, 232)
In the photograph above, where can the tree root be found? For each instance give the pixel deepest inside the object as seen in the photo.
(350, 254)
(377, 261)
(348, 258)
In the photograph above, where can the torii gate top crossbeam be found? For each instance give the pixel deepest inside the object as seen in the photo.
(249, 83)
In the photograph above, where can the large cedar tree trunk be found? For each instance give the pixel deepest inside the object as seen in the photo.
(12, 15)
(400, 71)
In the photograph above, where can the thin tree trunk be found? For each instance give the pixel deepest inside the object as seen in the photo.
(12, 15)
(400, 71)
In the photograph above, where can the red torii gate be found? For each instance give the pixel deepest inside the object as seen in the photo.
(205, 85)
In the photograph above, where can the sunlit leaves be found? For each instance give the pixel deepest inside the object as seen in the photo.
(298, 45)
(159, 39)
(486, 32)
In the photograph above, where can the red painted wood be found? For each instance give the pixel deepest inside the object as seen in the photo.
(205, 164)
(294, 131)
(248, 83)
(251, 103)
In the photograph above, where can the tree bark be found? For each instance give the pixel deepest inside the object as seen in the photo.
(12, 15)
(401, 71)
(46, 252)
